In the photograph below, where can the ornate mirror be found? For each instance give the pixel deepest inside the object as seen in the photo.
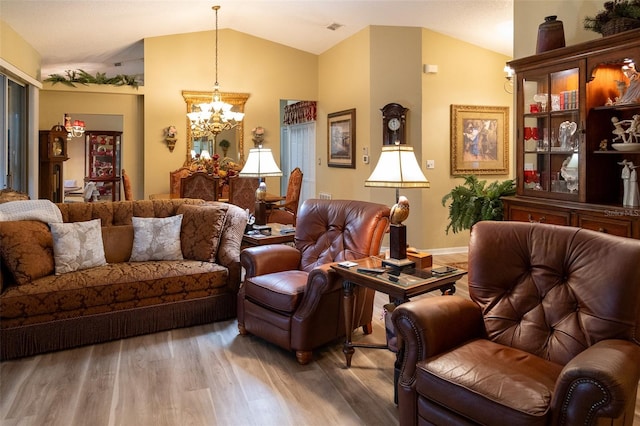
(235, 136)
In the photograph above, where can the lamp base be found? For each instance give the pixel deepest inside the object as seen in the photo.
(399, 263)
(260, 213)
(398, 248)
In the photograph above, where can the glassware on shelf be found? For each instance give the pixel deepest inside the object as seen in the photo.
(566, 132)
(569, 172)
(541, 99)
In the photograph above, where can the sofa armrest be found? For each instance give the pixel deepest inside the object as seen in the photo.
(601, 381)
(267, 259)
(419, 325)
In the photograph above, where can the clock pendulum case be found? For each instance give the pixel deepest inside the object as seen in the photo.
(394, 120)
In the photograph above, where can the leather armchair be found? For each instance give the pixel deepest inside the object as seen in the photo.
(549, 337)
(290, 296)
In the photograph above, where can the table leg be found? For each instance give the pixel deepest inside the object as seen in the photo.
(348, 306)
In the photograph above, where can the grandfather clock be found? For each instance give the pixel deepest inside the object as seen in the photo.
(394, 122)
(53, 153)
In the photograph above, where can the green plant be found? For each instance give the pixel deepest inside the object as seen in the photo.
(629, 9)
(224, 144)
(83, 77)
(474, 201)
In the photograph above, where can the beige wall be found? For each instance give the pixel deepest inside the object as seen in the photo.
(126, 102)
(466, 75)
(380, 65)
(267, 71)
(529, 14)
(17, 52)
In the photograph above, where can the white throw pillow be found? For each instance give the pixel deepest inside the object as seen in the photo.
(156, 238)
(77, 245)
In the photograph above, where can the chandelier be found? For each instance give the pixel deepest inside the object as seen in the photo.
(215, 117)
(74, 130)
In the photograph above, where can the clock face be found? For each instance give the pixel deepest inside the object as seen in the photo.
(394, 124)
(57, 146)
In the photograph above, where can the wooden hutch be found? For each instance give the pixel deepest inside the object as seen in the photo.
(567, 170)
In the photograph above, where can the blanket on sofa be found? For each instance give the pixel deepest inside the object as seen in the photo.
(42, 210)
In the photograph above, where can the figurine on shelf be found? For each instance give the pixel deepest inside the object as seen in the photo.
(632, 93)
(619, 130)
(634, 129)
(603, 144)
(626, 174)
(633, 199)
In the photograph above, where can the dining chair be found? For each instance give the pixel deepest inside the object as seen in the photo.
(175, 178)
(200, 185)
(242, 192)
(126, 185)
(287, 211)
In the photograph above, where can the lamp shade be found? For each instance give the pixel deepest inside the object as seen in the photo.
(397, 168)
(260, 163)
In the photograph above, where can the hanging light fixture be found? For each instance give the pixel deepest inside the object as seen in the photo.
(74, 130)
(216, 116)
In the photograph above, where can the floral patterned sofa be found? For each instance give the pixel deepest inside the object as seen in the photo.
(42, 309)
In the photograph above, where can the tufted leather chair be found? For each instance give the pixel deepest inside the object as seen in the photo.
(290, 296)
(549, 337)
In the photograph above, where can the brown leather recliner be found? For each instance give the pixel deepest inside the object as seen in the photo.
(551, 336)
(290, 296)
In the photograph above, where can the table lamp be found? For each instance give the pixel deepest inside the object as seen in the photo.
(260, 163)
(398, 168)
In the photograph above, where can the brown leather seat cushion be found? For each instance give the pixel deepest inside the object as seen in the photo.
(488, 381)
(281, 291)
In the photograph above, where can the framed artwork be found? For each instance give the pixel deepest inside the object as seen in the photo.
(341, 135)
(479, 140)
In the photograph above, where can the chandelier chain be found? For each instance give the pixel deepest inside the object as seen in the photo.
(216, 9)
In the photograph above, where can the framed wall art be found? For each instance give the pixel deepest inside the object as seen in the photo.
(479, 140)
(341, 135)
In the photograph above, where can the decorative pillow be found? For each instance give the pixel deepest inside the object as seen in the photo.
(77, 245)
(26, 248)
(201, 231)
(156, 238)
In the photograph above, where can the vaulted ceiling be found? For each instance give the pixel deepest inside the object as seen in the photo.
(106, 35)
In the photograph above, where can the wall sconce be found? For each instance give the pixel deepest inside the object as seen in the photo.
(74, 130)
(170, 137)
(508, 84)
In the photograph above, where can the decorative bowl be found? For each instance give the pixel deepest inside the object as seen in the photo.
(626, 147)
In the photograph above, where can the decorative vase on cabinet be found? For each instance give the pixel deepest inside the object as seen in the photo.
(103, 162)
(568, 95)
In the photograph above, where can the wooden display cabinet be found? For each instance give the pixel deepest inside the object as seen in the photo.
(103, 162)
(567, 170)
(52, 154)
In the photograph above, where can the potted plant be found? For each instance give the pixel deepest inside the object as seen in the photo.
(224, 144)
(617, 16)
(474, 201)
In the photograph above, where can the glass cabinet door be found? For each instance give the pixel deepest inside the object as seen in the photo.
(551, 134)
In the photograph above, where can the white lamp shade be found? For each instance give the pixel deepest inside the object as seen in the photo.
(260, 163)
(397, 168)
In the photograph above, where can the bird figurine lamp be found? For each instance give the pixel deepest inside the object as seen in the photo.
(398, 168)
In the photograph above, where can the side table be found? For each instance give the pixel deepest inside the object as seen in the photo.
(250, 240)
(400, 286)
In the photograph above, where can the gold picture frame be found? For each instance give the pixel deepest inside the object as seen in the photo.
(341, 139)
(479, 140)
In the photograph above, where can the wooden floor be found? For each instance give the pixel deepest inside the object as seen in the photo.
(204, 375)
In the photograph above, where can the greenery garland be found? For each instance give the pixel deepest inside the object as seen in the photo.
(83, 77)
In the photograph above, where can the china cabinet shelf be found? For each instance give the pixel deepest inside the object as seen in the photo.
(102, 164)
(563, 116)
